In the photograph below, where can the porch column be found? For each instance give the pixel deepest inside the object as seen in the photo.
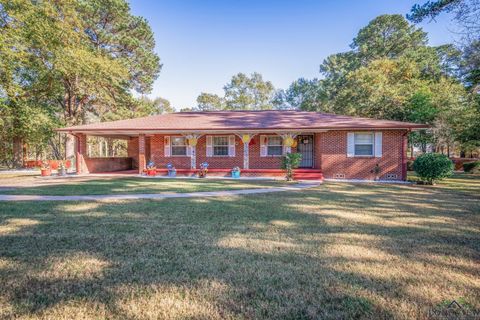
(81, 153)
(141, 153)
(192, 140)
(246, 138)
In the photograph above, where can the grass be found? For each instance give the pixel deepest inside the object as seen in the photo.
(141, 185)
(339, 251)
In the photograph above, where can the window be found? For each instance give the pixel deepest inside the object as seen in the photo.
(220, 146)
(364, 144)
(274, 146)
(179, 147)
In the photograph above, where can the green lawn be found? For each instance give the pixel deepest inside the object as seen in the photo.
(141, 185)
(338, 251)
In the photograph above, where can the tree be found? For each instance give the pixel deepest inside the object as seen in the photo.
(209, 102)
(387, 36)
(466, 13)
(87, 56)
(249, 93)
(243, 92)
(303, 94)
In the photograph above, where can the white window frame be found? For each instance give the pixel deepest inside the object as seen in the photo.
(274, 145)
(220, 145)
(372, 134)
(175, 146)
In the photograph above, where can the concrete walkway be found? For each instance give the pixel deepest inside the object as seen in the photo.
(113, 197)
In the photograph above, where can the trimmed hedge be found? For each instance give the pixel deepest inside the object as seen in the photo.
(472, 167)
(432, 167)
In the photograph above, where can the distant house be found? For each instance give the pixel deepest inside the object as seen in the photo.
(332, 146)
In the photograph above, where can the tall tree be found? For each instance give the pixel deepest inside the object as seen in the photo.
(209, 102)
(94, 53)
(243, 92)
(249, 93)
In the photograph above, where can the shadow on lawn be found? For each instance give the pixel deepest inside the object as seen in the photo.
(291, 255)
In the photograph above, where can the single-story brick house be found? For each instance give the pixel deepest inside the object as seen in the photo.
(332, 146)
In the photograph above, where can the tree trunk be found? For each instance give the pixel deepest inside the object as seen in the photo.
(17, 152)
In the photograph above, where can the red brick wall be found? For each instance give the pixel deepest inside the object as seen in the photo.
(333, 156)
(157, 155)
(220, 162)
(109, 164)
(132, 151)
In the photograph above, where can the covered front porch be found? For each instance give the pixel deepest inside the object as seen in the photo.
(256, 154)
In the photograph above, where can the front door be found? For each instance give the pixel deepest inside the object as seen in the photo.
(305, 148)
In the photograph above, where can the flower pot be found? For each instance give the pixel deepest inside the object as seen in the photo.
(235, 174)
(172, 174)
(151, 172)
(46, 172)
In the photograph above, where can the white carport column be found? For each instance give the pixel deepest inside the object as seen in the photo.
(246, 138)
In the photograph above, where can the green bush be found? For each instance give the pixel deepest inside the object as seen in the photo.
(472, 167)
(432, 167)
(291, 161)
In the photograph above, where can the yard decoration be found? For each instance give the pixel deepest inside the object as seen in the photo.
(289, 162)
(151, 169)
(45, 169)
(236, 172)
(171, 171)
(203, 170)
(432, 167)
(377, 170)
(62, 169)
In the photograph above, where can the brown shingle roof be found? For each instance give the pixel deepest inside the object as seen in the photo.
(243, 120)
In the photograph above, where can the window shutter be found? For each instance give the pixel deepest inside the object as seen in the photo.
(263, 146)
(350, 144)
(209, 146)
(231, 146)
(378, 144)
(166, 146)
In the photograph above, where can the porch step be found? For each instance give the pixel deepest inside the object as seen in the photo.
(308, 174)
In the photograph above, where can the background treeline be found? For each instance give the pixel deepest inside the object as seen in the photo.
(390, 73)
(71, 62)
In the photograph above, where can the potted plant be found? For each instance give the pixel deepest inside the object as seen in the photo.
(151, 169)
(203, 170)
(45, 169)
(62, 169)
(236, 172)
(172, 172)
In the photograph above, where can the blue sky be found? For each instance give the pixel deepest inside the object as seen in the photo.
(203, 43)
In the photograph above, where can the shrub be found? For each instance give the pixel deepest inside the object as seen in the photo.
(290, 162)
(472, 167)
(431, 167)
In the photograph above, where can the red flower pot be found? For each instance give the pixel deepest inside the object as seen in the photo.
(46, 172)
(151, 172)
